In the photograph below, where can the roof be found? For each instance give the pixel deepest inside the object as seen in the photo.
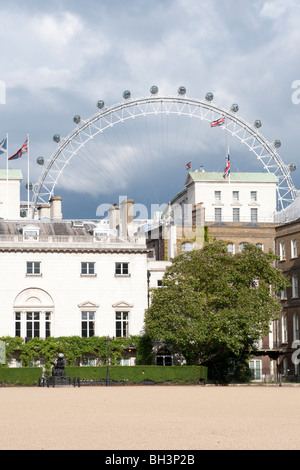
(12, 174)
(64, 236)
(290, 213)
(246, 177)
(47, 227)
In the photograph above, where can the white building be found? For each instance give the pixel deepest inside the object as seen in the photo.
(63, 278)
(243, 197)
(58, 279)
(10, 194)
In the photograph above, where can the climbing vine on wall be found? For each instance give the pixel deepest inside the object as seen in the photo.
(75, 348)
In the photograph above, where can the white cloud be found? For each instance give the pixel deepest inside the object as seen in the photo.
(54, 52)
(57, 30)
(275, 9)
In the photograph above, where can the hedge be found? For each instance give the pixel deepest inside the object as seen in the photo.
(138, 374)
(20, 375)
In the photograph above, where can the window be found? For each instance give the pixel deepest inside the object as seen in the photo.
(231, 248)
(47, 324)
(32, 325)
(122, 269)
(218, 214)
(255, 369)
(217, 195)
(164, 358)
(159, 283)
(282, 251)
(87, 324)
(283, 294)
(122, 324)
(30, 234)
(295, 327)
(254, 215)
(242, 245)
(236, 214)
(294, 286)
(186, 247)
(293, 248)
(87, 269)
(124, 361)
(33, 268)
(18, 324)
(235, 196)
(88, 362)
(284, 329)
(253, 196)
(260, 246)
(100, 235)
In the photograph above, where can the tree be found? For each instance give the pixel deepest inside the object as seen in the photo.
(211, 301)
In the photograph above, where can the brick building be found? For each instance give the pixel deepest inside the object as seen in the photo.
(288, 250)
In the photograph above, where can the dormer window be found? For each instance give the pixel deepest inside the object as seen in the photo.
(101, 233)
(30, 233)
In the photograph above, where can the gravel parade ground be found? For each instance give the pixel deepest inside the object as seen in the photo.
(150, 418)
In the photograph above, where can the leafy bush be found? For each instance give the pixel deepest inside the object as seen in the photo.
(20, 375)
(138, 374)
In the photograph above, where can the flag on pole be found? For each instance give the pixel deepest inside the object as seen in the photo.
(217, 122)
(19, 153)
(227, 168)
(188, 165)
(3, 146)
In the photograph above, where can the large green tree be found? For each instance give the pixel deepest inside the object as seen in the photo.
(212, 301)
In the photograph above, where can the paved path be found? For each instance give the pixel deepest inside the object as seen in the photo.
(149, 418)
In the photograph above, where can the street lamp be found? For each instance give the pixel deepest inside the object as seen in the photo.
(107, 372)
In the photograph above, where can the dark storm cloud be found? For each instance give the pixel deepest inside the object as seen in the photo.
(60, 57)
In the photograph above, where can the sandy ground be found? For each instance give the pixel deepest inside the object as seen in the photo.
(150, 418)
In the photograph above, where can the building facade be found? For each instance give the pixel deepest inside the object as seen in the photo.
(75, 278)
(288, 250)
(93, 277)
(240, 210)
(241, 198)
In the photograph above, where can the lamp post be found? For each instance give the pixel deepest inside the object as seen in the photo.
(107, 371)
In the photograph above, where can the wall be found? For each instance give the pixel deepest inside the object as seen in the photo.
(61, 279)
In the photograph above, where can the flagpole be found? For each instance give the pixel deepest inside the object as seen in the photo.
(27, 176)
(226, 144)
(6, 175)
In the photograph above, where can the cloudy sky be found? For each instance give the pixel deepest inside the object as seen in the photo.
(60, 57)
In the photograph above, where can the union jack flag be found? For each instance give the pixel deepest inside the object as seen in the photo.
(19, 153)
(188, 165)
(218, 122)
(227, 168)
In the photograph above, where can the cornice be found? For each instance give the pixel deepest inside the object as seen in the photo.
(37, 249)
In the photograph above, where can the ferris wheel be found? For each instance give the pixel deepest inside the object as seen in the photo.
(154, 104)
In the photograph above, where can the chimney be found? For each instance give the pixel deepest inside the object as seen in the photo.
(127, 218)
(55, 208)
(43, 210)
(114, 218)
